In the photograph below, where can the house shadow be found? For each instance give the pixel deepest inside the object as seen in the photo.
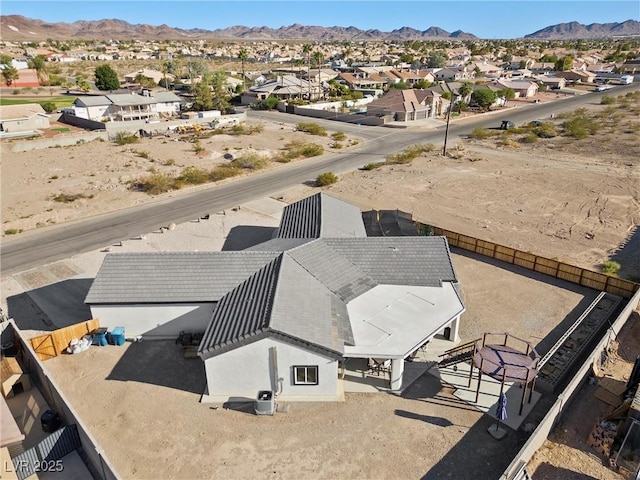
(162, 363)
(628, 256)
(546, 470)
(245, 236)
(51, 307)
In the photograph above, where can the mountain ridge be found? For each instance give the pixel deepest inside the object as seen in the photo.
(20, 28)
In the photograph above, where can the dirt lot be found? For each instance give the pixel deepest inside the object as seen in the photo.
(577, 200)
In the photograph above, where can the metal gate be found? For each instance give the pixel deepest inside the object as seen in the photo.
(57, 445)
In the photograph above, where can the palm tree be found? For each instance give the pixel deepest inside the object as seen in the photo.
(317, 56)
(465, 90)
(306, 48)
(299, 63)
(243, 55)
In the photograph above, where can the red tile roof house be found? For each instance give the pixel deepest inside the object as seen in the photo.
(285, 315)
(26, 78)
(407, 105)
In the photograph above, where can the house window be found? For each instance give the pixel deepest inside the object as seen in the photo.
(305, 375)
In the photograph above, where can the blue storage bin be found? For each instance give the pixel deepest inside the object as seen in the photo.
(117, 334)
(99, 337)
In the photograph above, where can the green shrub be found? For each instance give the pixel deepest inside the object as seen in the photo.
(607, 100)
(610, 267)
(529, 138)
(49, 107)
(271, 103)
(372, 166)
(12, 231)
(580, 127)
(253, 161)
(223, 171)
(69, 197)
(311, 150)
(296, 149)
(326, 178)
(311, 128)
(193, 176)
(156, 183)
(125, 138)
(197, 147)
(546, 130)
(336, 145)
(480, 133)
(338, 136)
(408, 154)
(142, 154)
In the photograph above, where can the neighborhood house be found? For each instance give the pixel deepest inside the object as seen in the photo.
(286, 314)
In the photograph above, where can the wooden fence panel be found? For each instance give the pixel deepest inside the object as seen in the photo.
(547, 266)
(53, 344)
(505, 254)
(43, 346)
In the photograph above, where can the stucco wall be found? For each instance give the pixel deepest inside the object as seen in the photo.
(246, 370)
(154, 321)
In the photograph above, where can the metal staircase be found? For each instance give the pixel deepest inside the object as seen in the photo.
(459, 354)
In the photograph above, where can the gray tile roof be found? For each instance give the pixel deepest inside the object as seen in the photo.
(92, 100)
(321, 216)
(422, 261)
(279, 244)
(333, 270)
(172, 277)
(244, 312)
(281, 299)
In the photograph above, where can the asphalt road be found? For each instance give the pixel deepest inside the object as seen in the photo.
(53, 243)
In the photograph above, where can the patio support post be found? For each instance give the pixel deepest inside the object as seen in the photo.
(524, 393)
(533, 385)
(397, 371)
(479, 380)
(454, 328)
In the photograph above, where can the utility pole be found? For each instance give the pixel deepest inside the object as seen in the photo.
(446, 131)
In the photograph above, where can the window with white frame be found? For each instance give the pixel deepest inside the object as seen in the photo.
(305, 375)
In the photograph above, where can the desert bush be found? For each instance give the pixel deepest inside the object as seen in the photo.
(311, 128)
(296, 149)
(505, 141)
(607, 100)
(326, 178)
(12, 231)
(372, 166)
(242, 129)
(338, 136)
(480, 133)
(580, 127)
(156, 183)
(69, 197)
(142, 154)
(546, 130)
(223, 171)
(197, 147)
(311, 150)
(125, 138)
(529, 138)
(193, 176)
(252, 161)
(610, 267)
(336, 145)
(408, 154)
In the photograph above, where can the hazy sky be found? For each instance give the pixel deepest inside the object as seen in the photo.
(485, 19)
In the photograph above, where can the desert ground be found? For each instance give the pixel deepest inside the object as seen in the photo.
(573, 199)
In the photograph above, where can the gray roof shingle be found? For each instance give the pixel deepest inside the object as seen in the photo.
(321, 216)
(172, 277)
(422, 261)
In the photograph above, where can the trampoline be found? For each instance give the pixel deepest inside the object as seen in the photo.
(511, 360)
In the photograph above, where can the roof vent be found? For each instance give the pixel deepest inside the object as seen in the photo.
(394, 249)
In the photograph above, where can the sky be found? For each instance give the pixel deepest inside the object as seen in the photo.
(483, 18)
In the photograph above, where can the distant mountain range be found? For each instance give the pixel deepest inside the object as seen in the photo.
(594, 30)
(19, 28)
